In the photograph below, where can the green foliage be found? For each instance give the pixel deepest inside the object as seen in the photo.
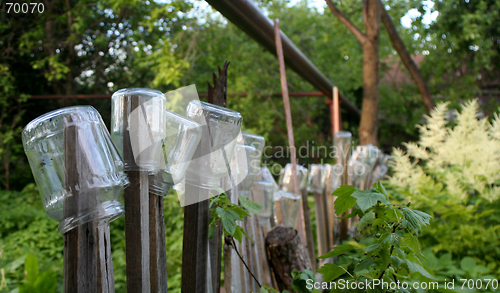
(226, 213)
(453, 173)
(35, 282)
(387, 247)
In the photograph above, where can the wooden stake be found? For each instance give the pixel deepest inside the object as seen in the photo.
(88, 266)
(304, 225)
(137, 247)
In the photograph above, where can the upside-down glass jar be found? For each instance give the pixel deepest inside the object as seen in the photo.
(76, 167)
(286, 178)
(258, 142)
(331, 178)
(182, 138)
(220, 128)
(286, 208)
(138, 127)
(263, 193)
(241, 167)
(314, 179)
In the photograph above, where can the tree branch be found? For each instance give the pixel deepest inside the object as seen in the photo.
(348, 23)
(408, 62)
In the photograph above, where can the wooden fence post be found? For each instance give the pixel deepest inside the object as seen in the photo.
(88, 266)
(196, 243)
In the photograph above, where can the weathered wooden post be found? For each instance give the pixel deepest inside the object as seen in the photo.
(138, 130)
(80, 178)
(210, 164)
(342, 145)
(181, 140)
(315, 187)
(217, 95)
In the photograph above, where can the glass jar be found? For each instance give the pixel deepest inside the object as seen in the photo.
(286, 179)
(263, 193)
(258, 142)
(138, 127)
(331, 178)
(314, 179)
(76, 167)
(241, 170)
(220, 129)
(182, 138)
(286, 208)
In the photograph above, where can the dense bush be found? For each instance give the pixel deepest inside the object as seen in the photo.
(453, 173)
(28, 235)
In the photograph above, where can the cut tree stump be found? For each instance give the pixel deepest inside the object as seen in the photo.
(286, 254)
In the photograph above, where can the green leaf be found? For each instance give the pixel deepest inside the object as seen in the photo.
(46, 282)
(31, 268)
(468, 264)
(251, 206)
(371, 247)
(367, 199)
(331, 272)
(364, 264)
(211, 231)
(416, 219)
(416, 268)
(229, 219)
(412, 242)
(338, 250)
(382, 189)
(344, 199)
(238, 235)
(365, 220)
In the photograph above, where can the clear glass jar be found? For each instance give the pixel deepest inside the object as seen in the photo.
(241, 170)
(258, 142)
(76, 167)
(286, 180)
(314, 179)
(263, 193)
(138, 127)
(182, 138)
(286, 208)
(331, 178)
(220, 129)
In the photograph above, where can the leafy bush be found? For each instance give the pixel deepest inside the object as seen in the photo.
(387, 248)
(453, 173)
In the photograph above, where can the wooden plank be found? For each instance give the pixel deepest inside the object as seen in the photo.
(321, 231)
(87, 260)
(308, 228)
(195, 242)
(136, 197)
(157, 250)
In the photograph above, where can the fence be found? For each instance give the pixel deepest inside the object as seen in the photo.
(81, 170)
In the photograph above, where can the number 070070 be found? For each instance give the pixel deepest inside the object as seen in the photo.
(25, 7)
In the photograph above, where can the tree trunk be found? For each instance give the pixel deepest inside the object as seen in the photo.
(285, 253)
(369, 112)
(412, 68)
(370, 42)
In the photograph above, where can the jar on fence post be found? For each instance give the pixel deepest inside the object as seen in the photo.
(220, 128)
(286, 179)
(76, 167)
(243, 173)
(342, 148)
(182, 137)
(314, 178)
(263, 193)
(138, 127)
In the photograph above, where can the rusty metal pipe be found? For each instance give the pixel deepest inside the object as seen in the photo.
(250, 19)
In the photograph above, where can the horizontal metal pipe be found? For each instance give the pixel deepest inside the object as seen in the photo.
(250, 19)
